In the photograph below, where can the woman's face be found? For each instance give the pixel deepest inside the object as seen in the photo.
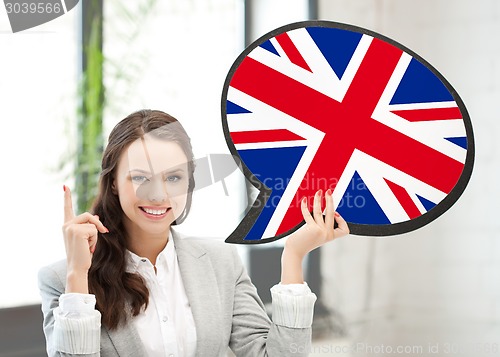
(151, 181)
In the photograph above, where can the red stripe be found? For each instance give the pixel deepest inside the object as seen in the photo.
(243, 137)
(291, 51)
(429, 114)
(404, 199)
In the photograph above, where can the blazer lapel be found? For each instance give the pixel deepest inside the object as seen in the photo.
(202, 291)
(126, 340)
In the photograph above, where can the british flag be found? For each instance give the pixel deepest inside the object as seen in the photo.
(318, 105)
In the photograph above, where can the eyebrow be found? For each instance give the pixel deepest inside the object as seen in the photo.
(149, 173)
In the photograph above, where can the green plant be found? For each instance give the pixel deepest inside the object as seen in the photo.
(91, 107)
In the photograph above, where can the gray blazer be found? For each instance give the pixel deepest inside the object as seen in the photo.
(226, 308)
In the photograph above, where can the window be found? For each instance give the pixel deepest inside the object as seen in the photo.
(38, 70)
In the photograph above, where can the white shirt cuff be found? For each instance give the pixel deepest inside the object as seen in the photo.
(75, 303)
(77, 326)
(293, 305)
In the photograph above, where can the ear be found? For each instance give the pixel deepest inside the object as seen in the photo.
(113, 187)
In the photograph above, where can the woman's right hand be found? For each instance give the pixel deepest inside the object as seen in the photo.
(80, 239)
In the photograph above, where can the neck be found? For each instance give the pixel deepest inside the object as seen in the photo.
(147, 245)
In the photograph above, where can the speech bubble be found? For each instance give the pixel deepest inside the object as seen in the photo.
(324, 105)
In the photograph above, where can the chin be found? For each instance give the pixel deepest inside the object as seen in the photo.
(157, 229)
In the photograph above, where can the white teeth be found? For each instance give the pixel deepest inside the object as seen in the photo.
(154, 211)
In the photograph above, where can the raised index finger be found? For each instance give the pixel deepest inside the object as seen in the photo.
(69, 214)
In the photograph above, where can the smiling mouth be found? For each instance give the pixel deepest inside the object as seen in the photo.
(155, 212)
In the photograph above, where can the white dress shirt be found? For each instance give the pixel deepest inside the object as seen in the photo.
(168, 306)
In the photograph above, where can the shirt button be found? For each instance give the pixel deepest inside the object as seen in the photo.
(143, 260)
(165, 319)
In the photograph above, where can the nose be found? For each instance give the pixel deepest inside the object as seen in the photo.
(154, 190)
(158, 191)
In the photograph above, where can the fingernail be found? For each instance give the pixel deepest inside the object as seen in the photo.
(107, 230)
(329, 192)
(304, 200)
(96, 216)
(337, 214)
(64, 188)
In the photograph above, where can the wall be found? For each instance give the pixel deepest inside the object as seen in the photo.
(439, 285)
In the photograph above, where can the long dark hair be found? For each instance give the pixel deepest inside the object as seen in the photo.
(119, 292)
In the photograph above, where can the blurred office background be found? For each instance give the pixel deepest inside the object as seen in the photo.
(435, 291)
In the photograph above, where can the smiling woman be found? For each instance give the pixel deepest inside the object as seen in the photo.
(153, 182)
(153, 143)
(154, 292)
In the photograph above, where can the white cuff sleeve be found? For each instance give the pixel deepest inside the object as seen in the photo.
(293, 305)
(77, 326)
(75, 303)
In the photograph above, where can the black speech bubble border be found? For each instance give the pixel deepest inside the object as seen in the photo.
(355, 228)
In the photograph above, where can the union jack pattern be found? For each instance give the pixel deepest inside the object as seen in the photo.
(318, 107)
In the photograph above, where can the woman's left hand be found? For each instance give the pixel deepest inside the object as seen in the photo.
(319, 229)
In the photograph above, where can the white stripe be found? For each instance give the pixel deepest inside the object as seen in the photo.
(430, 133)
(373, 171)
(427, 105)
(270, 145)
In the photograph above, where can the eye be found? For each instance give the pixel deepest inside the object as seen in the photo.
(139, 179)
(173, 178)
